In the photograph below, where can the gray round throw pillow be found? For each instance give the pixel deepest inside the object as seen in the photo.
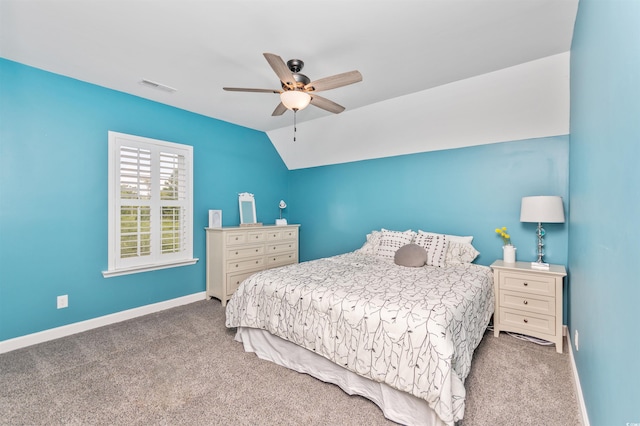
(411, 255)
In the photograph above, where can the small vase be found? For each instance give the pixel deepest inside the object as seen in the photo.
(509, 254)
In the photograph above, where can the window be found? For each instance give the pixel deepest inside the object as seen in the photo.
(150, 204)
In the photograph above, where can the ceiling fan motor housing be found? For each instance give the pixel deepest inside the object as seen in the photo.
(295, 65)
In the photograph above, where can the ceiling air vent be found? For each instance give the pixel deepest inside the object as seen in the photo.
(158, 86)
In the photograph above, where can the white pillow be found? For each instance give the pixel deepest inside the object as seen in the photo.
(371, 245)
(391, 241)
(436, 247)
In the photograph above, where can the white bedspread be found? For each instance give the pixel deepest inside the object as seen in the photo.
(414, 329)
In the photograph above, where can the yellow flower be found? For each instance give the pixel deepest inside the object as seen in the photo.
(506, 238)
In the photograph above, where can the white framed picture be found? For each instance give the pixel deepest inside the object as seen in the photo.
(215, 218)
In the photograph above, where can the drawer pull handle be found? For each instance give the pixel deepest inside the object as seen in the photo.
(236, 252)
(526, 283)
(257, 261)
(525, 302)
(237, 265)
(236, 238)
(274, 258)
(526, 321)
(257, 250)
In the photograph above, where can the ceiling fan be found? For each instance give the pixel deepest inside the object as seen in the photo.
(298, 91)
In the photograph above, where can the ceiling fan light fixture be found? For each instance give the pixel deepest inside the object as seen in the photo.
(295, 100)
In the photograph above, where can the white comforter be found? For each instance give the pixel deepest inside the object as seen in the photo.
(414, 329)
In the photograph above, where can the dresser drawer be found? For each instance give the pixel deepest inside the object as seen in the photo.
(243, 252)
(518, 320)
(237, 237)
(527, 283)
(290, 234)
(282, 247)
(255, 237)
(545, 305)
(274, 235)
(234, 280)
(281, 259)
(243, 265)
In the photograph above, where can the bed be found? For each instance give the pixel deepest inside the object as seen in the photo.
(402, 336)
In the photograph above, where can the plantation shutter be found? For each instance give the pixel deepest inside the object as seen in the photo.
(150, 202)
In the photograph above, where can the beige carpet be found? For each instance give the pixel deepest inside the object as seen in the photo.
(182, 367)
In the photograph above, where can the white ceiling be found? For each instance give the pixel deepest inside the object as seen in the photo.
(400, 47)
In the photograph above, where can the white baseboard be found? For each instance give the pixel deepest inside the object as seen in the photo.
(78, 327)
(576, 380)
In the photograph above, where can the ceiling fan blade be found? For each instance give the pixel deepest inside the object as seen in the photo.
(242, 89)
(326, 104)
(280, 109)
(334, 81)
(281, 69)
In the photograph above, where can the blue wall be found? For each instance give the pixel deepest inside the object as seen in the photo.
(466, 191)
(53, 195)
(605, 208)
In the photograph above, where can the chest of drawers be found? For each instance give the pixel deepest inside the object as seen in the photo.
(529, 301)
(235, 253)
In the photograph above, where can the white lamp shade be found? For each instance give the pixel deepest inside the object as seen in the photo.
(542, 209)
(295, 99)
(282, 204)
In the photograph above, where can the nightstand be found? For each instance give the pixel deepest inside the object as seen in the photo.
(528, 301)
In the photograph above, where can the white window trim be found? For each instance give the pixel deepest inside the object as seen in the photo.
(169, 261)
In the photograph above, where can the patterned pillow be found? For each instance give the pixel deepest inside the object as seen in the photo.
(461, 253)
(391, 241)
(459, 249)
(436, 247)
(450, 238)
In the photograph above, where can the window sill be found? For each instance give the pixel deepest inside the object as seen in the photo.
(146, 268)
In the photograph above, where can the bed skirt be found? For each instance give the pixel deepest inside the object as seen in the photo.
(397, 406)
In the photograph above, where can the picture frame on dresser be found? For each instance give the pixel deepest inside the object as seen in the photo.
(247, 205)
(215, 218)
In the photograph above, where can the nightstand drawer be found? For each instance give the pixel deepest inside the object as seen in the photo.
(528, 283)
(234, 280)
(242, 252)
(544, 305)
(525, 321)
(281, 259)
(243, 265)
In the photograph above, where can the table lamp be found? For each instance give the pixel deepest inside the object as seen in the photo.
(282, 206)
(541, 209)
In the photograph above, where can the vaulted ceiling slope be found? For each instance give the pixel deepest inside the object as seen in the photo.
(197, 47)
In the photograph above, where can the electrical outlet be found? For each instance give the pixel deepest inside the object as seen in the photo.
(575, 340)
(63, 301)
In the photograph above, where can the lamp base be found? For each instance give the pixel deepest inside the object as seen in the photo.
(281, 222)
(540, 265)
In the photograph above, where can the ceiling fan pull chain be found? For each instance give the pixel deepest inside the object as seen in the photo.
(294, 124)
